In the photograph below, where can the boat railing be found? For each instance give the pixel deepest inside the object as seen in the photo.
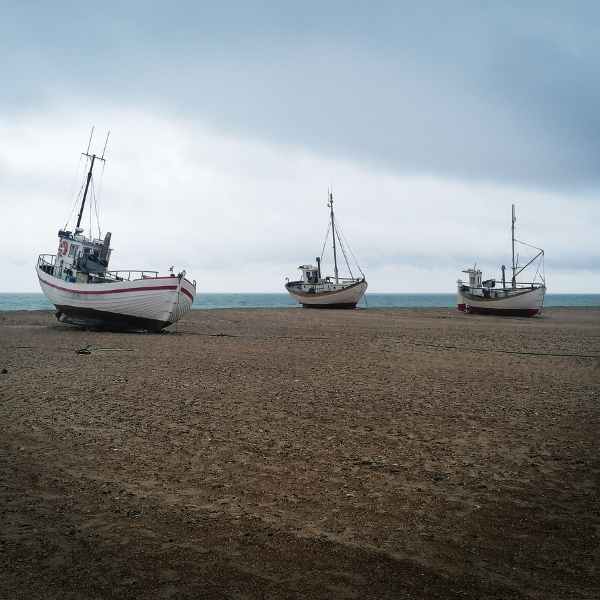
(345, 279)
(530, 284)
(47, 262)
(128, 275)
(327, 281)
(520, 285)
(47, 259)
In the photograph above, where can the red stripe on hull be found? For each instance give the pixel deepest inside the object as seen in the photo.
(184, 291)
(461, 307)
(138, 289)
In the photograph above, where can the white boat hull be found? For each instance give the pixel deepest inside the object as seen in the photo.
(346, 297)
(149, 304)
(518, 302)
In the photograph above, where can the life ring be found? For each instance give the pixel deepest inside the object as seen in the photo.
(63, 247)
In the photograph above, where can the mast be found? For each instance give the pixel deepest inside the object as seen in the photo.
(514, 266)
(93, 157)
(87, 185)
(335, 267)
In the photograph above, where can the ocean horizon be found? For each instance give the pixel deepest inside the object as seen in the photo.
(207, 301)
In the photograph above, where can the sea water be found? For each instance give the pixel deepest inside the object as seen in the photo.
(371, 300)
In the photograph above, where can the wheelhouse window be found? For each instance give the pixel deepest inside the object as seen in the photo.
(72, 250)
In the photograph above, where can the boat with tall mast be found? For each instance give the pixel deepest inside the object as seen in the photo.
(518, 298)
(77, 281)
(316, 291)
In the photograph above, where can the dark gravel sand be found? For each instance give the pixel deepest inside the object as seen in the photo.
(302, 454)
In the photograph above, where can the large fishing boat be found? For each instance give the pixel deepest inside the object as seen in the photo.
(518, 298)
(86, 293)
(316, 291)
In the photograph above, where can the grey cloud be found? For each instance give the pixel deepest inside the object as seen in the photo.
(504, 94)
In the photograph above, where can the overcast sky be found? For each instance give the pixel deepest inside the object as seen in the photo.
(230, 120)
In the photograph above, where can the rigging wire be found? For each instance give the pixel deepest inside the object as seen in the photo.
(344, 253)
(100, 196)
(530, 245)
(541, 270)
(75, 203)
(91, 202)
(349, 248)
(540, 263)
(74, 188)
(544, 268)
(537, 272)
(325, 240)
(94, 197)
(95, 201)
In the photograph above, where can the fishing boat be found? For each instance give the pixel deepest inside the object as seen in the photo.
(517, 299)
(78, 282)
(333, 291)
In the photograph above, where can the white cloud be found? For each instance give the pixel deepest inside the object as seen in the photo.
(240, 214)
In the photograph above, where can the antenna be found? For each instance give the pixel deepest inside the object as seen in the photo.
(105, 144)
(90, 142)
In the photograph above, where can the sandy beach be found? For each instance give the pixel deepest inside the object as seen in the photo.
(302, 454)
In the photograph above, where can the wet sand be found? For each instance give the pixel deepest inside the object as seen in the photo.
(302, 454)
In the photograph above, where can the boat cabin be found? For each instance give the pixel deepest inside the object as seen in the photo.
(474, 277)
(310, 274)
(78, 257)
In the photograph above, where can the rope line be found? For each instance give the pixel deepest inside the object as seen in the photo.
(74, 207)
(91, 233)
(100, 196)
(74, 190)
(325, 240)
(491, 350)
(344, 253)
(96, 211)
(350, 249)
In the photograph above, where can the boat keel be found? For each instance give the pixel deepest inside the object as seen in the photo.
(99, 319)
(507, 312)
(340, 305)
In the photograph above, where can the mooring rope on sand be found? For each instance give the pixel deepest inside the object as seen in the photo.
(91, 348)
(398, 341)
(522, 352)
